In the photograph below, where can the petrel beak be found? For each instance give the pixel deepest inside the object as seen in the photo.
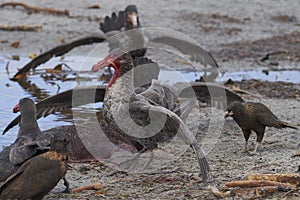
(228, 114)
(133, 18)
(102, 64)
(16, 108)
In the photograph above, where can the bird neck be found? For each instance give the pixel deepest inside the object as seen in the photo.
(28, 117)
(28, 124)
(122, 82)
(122, 87)
(239, 115)
(115, 76)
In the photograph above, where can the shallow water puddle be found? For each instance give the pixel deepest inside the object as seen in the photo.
(292, 76)
(40, 85)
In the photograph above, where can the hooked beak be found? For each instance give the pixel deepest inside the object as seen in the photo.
(228, 114)
(16, 108)
(133, 18)
(102, 64)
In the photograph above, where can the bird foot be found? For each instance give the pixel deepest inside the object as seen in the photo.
(128, 164)
(245, 151)
(66, 184)
(67, 190)
(253, 153)
(136, 162)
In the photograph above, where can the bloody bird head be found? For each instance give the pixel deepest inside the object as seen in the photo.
(119, 60)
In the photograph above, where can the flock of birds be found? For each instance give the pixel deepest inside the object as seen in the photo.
(43, 162)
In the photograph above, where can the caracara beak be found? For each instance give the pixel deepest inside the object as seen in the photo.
(102, 64)
(228, 114)
(133, 18)
(16, 108)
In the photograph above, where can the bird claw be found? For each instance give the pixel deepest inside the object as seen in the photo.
(67, 190)
(132, 163)
(253, 153)
(126, 165)
(245, 151)
(66, 184)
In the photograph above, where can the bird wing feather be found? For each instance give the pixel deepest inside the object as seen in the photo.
(181, 43)
(59, 51)
(64, 100)
(183, 132)
(34, 170)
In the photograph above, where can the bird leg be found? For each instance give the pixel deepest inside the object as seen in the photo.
(245, 150)
(131, 161)
(260, 134)
(247, 134)
(202, 162)
(66, 183)
(255, 149)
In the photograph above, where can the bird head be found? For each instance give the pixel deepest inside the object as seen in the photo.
(232, 109)
(59, 144)
(119, 60)
(132, 18)
(25, 105)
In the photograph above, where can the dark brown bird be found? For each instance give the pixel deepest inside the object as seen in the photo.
(252, 116)
(38, 175)
(148, 118)
(124, 21)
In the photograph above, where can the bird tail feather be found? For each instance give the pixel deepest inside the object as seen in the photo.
(202, 162)
(287, 125)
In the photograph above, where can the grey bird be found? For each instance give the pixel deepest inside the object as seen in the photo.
(156, 104)
(26, 145)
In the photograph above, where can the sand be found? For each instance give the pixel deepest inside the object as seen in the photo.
(238, 34)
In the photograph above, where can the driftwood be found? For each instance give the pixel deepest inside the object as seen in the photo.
(95, 6)
(297, 153)
(293, 179)
(57, 51)
(15, 44)
(96, 186)
(241, 91)
(35, 8)
(258, 183)
(219, 194)
(21, 28)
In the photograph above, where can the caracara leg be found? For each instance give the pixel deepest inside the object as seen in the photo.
(260, 134)
(254, 152)
(246, 136)
(66, 183)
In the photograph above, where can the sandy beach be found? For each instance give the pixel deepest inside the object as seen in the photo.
(239, 34)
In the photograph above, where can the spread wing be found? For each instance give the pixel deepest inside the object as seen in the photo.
(210, 93)
(181, 43)
(65, 100)
(58, 51)
(113, 23)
